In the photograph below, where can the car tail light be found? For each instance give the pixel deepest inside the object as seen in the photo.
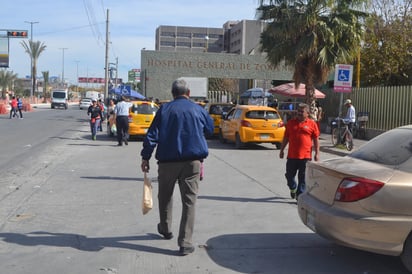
(355, 189)
(245, 123)
(281, 124)
(130, 118)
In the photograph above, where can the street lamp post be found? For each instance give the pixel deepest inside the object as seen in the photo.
(207, 43)
(77, 76)
(63, 49)
(31, 57)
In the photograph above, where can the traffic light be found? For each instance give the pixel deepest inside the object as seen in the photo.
(17, 34)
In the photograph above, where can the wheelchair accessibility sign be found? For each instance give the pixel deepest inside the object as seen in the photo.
(343, 78)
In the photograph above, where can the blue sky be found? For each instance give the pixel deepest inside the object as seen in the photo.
(77, 30)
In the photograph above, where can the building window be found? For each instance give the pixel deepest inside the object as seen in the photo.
(167, 43)
(215, 36)
(183, 44)
(167, 34)
(184, 34)
(199, 35)
(199, 45)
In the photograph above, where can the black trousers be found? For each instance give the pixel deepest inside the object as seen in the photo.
(122, 126)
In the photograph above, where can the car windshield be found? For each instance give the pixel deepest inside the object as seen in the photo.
(390, 148)
(262, 114)
(145, 108)
(60, 95)
(219, 109)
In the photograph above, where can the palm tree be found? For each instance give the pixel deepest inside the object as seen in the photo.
(45, 83)
(7, 79)
(312, 36)
(33, 49)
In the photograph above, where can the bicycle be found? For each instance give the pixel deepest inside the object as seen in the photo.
(342, 135)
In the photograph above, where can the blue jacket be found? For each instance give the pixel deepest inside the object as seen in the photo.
(178, 130)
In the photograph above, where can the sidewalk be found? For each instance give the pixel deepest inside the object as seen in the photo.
(326, 145)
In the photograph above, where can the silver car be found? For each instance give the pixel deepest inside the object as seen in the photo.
(85, 103)
(364, 200)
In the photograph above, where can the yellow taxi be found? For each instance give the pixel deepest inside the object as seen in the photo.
(247, 124)
(141, 115)
(216, 110)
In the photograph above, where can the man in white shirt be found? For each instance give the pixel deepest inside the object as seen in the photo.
(121, 110)
(350, 114)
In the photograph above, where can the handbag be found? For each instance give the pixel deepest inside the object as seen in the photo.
(147, 204)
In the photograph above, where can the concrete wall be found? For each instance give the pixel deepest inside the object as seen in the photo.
(159, 69)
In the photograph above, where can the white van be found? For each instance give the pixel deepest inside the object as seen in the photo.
(59, 98)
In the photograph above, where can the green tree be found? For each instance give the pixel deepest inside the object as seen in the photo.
(386, 55)
(7, 79)
(33, 49)
(311, 36)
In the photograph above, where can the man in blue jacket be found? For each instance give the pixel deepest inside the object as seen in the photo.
(178, 130)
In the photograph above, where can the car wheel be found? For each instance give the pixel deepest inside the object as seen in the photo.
(221, 139)
(278, 145)
(335, 136)
(349, 142)
(238, 142)
(406, 255)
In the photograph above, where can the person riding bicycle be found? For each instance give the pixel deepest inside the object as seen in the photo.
(350, 114)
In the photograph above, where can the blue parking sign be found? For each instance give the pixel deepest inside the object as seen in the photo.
(125, 90)
(343, 78)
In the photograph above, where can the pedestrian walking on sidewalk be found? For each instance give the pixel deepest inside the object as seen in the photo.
(13, 110)
(178, 130)
(95, 113)
(300, 133)
(121, 110)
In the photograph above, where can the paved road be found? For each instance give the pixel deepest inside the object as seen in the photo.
(78, 211)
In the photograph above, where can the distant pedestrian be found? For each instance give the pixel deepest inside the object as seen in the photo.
(95, 113)
(301, 132)
(350, 114)
(121, 110)
(20, 106)
(13, 105)
(178, 130)
(104, 113)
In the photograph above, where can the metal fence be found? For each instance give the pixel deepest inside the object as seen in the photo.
(387, 107)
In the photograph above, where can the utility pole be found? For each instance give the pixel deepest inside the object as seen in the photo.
(63, 49)
(117, 72)
(77, 76)
(106, 71)
(31, 57)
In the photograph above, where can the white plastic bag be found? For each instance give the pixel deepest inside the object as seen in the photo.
(147, 204)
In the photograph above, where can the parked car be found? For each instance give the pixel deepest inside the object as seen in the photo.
(216, 110)
(85, 103)
(363, 200)
(246, 124)
(141, 115)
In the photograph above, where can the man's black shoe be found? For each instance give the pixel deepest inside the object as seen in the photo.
(167, 236)
(119, 144)
(126, 142)
(186, 250)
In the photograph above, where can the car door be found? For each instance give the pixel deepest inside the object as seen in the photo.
(225, 124)
(233, 124)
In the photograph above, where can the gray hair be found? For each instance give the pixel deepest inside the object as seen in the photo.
(180, 87)
(304, 106)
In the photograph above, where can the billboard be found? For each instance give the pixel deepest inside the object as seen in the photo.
(4, 52)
